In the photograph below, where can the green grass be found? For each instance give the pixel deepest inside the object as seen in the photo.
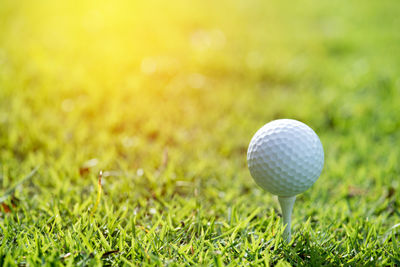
(166, 96)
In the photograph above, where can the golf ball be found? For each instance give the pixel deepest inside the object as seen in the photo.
(285, 157)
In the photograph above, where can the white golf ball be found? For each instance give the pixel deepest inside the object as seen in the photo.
(285, 157)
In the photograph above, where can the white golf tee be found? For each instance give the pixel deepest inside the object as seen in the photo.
(287, 208)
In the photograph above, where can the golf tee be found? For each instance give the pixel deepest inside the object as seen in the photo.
(287, 208)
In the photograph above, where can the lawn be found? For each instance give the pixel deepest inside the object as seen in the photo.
(163, 98)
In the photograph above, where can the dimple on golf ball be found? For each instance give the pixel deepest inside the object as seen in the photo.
(285, 157)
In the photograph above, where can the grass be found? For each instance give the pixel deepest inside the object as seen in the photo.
(164, 97)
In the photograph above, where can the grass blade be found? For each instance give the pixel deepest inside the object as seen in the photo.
(12, 189)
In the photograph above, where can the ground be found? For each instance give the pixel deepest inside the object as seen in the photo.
(163, 97)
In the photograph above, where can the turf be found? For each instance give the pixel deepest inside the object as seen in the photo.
(164, 97)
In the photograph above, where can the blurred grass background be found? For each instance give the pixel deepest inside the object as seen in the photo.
(165, 97)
